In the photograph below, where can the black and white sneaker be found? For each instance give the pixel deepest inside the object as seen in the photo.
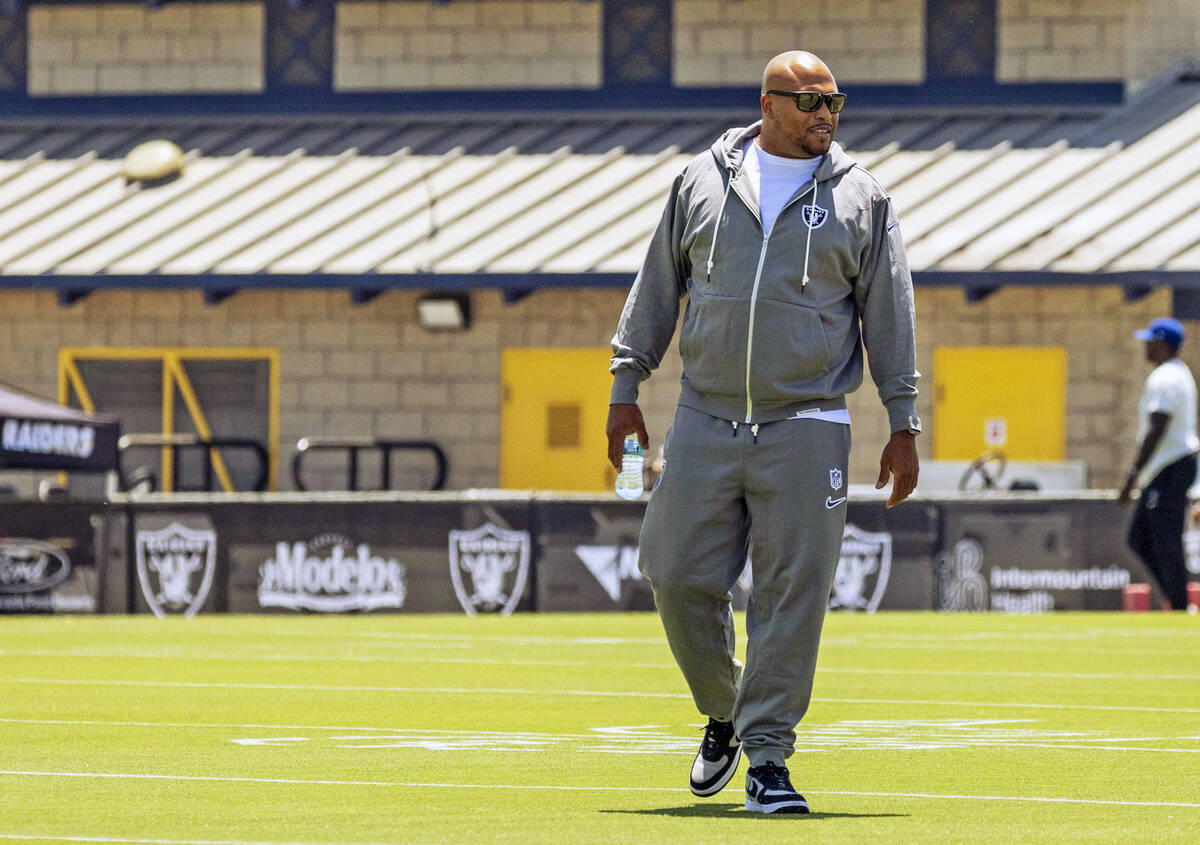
(768, 790)
(717, 761)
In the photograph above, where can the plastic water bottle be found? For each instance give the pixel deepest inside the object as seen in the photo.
(629, 479)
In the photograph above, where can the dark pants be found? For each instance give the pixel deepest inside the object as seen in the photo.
(1156, 533)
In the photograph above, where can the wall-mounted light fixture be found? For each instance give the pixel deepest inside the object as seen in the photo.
(444, 311)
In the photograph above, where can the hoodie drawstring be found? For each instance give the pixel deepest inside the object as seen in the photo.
(721, 213)
(808, 241)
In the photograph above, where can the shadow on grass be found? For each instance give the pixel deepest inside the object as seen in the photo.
(718, 811)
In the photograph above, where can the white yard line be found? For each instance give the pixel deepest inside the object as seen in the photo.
(573, 694)
(331, 688)
(310, 658)
(306, 658)
(804, 742)
(561, 788)
(1055, 638)
(27, 836)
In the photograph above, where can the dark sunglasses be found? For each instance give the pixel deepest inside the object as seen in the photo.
(811, 100)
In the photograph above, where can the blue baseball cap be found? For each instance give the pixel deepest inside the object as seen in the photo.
(1165, 329)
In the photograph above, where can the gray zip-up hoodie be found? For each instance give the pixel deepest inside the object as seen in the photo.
(772, 326)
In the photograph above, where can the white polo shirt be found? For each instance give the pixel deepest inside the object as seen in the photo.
(1170, 389)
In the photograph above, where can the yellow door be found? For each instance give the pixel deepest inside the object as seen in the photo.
(552, 413)
(1010, 399)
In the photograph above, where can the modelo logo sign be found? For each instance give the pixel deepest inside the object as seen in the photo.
(30, 566)
(330, 574)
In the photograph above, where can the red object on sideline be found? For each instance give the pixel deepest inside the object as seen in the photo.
(1136, 597)
(1193, 596)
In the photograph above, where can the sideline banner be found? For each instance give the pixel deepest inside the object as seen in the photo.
(521, 552)
(1034, 556)
(333, 557)
(48, 559)
(587, 558)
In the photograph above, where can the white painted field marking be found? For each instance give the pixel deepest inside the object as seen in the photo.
(845, 736)
(28, 836)
(1029, 798)
(310, 658)
(589, 664)
(591, 789)
(576, 694)
(328, 688)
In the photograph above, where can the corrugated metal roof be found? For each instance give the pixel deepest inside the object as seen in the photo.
(1084, 190)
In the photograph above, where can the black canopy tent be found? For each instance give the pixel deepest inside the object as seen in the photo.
(36, 433)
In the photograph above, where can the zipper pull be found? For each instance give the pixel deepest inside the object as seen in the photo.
(735, 425)
(754, 431)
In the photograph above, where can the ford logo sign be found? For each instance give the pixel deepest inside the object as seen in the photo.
(29, 566)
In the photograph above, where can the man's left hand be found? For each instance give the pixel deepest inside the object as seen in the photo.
(899, 460)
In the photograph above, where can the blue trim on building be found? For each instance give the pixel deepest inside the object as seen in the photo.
(364, 287)
(315, 101)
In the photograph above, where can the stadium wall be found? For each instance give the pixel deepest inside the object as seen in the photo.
(371, 369)
(414, 45)
(489, 554)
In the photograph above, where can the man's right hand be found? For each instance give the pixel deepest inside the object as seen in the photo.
(623, 420)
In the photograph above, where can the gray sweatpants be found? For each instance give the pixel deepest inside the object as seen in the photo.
(788, 484)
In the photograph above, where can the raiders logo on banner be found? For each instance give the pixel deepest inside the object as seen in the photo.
(175, 568)
(863, 569)
(489, 567)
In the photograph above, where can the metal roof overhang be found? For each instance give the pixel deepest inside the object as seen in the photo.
(987, 197)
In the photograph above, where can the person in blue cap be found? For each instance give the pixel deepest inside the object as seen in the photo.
(1165, 466)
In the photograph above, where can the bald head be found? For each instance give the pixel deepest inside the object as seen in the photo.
(796, 70)
(786, 130)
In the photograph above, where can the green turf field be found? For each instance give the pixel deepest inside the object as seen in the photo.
(557, 728)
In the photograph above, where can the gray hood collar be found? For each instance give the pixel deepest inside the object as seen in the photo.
(728, 152)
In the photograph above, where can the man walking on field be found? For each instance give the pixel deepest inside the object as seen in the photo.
(791, 258)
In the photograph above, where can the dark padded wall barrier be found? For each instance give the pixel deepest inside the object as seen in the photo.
(48, 560)
(333, 557)
(480, 552)
(1034, 555)
(588, 557)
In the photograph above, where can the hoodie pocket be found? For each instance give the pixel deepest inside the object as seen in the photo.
(790, 358)
(712, 344)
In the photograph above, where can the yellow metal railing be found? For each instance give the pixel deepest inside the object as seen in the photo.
(175, 377)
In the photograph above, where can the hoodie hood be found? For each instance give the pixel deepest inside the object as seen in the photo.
(729, 149)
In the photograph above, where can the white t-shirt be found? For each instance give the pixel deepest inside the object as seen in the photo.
(777, 179)
(1170, 389)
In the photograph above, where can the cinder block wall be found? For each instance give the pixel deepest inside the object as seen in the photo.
(416, 44)
(1077, 40)
(372, 370)
(506, 44)
(130, 49)
(727, 42)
